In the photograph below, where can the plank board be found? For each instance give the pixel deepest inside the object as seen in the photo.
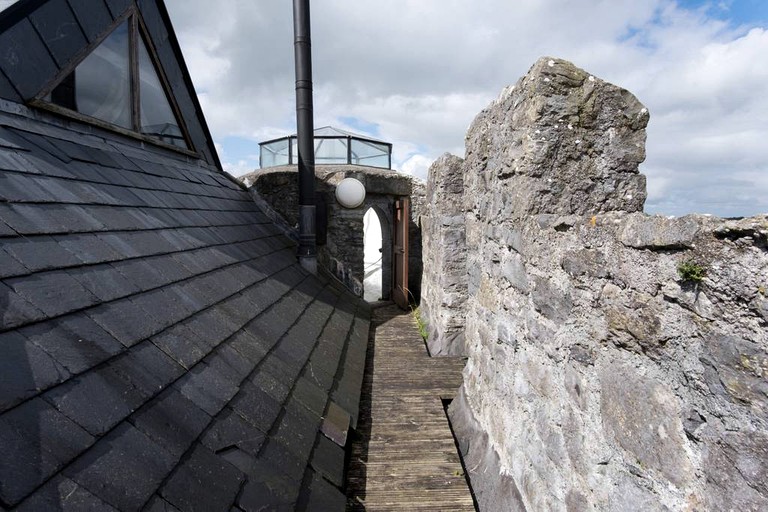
(404, 457)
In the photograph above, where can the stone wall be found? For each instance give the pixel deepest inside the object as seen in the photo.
(444, 291)
(342, 252)
(599, 376)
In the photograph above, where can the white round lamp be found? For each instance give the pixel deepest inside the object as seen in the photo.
(350, 193)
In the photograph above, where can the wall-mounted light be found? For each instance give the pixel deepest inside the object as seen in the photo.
(350, 193)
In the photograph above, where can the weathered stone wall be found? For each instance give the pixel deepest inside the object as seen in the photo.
(444, 292)
(598, 378)
(343, 252)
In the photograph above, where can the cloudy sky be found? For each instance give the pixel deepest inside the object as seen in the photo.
(416, 72)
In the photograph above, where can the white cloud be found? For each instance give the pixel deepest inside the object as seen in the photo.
(422, 70)
(417, 165)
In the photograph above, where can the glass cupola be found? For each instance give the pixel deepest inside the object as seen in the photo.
(332, 146)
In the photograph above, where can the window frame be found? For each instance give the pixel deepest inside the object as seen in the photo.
(137, 31)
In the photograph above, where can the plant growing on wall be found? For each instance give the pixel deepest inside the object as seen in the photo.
(691, 271)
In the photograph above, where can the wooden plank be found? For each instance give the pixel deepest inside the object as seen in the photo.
(404, 457)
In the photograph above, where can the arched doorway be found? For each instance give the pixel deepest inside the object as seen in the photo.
(372, 256)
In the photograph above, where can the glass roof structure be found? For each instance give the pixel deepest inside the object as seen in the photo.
(332, 146)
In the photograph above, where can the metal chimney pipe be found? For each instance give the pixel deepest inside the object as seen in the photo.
(302, 47)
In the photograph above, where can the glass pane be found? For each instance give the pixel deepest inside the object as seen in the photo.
(100, 86)
(157, 117)
(370, 153)
(330, 151)
(274, 153)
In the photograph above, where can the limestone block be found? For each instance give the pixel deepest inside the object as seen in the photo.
(642, 416)
(656, 232)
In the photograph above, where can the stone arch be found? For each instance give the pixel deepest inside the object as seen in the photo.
(382, 209)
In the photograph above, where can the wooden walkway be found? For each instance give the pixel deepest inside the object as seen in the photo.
(404, 457)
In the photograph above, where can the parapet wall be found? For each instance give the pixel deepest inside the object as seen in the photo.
(599, 377)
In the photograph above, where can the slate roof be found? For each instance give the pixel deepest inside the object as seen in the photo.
(160, 349)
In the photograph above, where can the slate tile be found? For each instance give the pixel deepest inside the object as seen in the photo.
(239, 308)
(234, 361)
(79, 152)
(87, 248)
(37, 442)
(58, 218)
(296, 430)
(96, 400)
(115, 218)
(54, 293)
(171, 421)
(207, 388)
(10, 266)
(212, 326)
(24, 59)
(57, 435)
(230, 429)
(284, 462)
(40, 253)
(147, 368)
(248, 346)
(40, 145)
(56, 24)
(124, 320)
(74, 341)
(279, 370)
(93, 17)
(328, 460)
(274, 495)
(158, 504)
(168, 267)
(17, 188)
(104, 281)
(181, 296)
(15, 310)
(182, 344)
(23, 466)
(5, 229)
(277, 386)
(309, 395)
(7, 90)
(255, 406)
(324, 497)
(172, 312)
(203, 482)
(63, 495)
(141, 274)
(124, 468)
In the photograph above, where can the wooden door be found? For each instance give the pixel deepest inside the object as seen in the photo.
(400, 292)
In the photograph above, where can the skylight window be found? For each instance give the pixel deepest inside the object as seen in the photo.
(119, 84)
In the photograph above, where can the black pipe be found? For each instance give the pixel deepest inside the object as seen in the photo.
(302, 46)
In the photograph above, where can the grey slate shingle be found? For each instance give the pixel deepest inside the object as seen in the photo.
(172, 421)
(104, 281)
(25, 59)
(75, 341)
(324, 497)
(15, 310)
(140, 462)
(203, 482)
(40, 253)
(92, 17)
(230, 429)
(64, 495)
(97, 400)
(124, 320)
(207, 388)
(54, 292)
